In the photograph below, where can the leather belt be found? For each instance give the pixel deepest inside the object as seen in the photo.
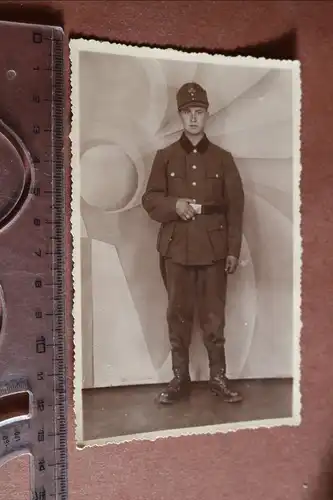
(208, 209)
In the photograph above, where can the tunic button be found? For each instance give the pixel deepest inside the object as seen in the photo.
(217, 175)
(194, 183)
(194, 167)
(172, 174)
(194, 150)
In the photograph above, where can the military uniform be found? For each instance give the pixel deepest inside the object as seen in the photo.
(193, 253)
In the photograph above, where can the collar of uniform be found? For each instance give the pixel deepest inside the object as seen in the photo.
(201, 147)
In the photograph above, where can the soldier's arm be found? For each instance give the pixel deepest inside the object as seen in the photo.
(159, 206)
(234, 194)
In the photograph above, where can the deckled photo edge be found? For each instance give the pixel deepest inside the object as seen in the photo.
(155, 52)
(191, 431)
(78, 45)
(76, 238)
(298, 246)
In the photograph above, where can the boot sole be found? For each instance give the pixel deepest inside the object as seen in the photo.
(186, 397)
(236, 399)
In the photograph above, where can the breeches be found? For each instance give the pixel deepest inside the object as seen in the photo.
(201, 290)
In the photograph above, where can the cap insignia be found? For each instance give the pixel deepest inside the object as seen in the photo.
(191, 91)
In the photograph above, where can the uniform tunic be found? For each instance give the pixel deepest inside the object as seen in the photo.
(207, 174)
(193, 252)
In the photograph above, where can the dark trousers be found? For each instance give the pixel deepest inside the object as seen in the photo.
(201, 290)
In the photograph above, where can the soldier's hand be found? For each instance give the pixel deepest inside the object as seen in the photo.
(184, 209)
(231, 264)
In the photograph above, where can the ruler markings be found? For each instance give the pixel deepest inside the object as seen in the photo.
(46, 433)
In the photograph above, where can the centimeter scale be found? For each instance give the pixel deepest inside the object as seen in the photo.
(32, 251)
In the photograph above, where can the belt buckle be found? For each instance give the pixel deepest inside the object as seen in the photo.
(196, 207)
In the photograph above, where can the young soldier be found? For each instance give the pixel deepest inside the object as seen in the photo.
(195, 192)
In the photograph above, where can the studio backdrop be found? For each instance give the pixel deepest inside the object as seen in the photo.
(127, 112)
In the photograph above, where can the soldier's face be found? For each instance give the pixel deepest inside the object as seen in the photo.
(194, 119)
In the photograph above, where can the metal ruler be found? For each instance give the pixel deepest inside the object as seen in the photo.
(32, 251)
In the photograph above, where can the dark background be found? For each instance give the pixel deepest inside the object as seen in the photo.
(270, 464)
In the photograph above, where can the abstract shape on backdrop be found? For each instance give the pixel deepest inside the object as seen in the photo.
(272, 264)
(251, 117)
(136, 245)
(241, 312)
(135, 90)
(86, 312)
(108, 177)
(266, 104)
(121, 356)
(83, 231)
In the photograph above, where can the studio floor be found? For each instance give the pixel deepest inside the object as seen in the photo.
(129, 410)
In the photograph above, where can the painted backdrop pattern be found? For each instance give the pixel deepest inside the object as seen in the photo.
(127, 111)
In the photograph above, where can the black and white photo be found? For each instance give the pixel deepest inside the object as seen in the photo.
(187, 246)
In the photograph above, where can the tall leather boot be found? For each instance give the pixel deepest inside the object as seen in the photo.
(177, 389)
(218, 384)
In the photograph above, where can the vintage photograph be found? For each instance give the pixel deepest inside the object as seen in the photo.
(186, 242)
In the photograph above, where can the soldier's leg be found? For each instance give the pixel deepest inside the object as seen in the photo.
(180, 284)
(212, 289)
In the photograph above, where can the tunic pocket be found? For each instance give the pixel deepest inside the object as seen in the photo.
(215, 184)
(218, 238)
(176, 181)
(176, 171)
(214, 175)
